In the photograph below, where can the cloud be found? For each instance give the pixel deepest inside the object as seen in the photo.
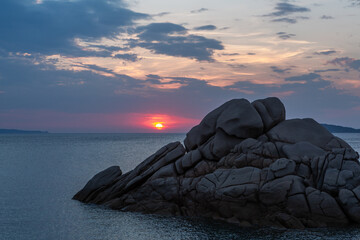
(153, 76)
(343, 61)
(97, 68)
(355, 3)
(280, 70)
(108, 48)
(200, 10)
(326, 52)
(237, 66)
(305, 77)
(328, 70)
(160, 81)
(251, 53)
(52, 26)
(286, 20)
(43, 88)
(127, 57)
(156, 31)
(290, 20)
(174, 40)
(347, 62)
(314, 98)
(284, 9)
(230, 54)
(205, 28)
(285, 36)
(326, 17)
(161, 14)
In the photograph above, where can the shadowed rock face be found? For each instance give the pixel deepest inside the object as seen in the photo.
(245, 164)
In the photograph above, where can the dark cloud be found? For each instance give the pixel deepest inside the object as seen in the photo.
(305, 77)
(87, 92)
(290, 20)
(109, 48)
(52, 26)
(280, 70)
(127, 57)
(156, 80)
(284, 9)
(159, 31)
(284, 35)
(328, 70)
(78, 92)
(230, 54)
(153, 76)
(251, 53)
(200, 10)
(326, 52)
(355, 3)
(295, 87)
(77, 52)
(347, 62)
(237, 66)
(159, 38)
(316, 99)
(205, 27)
(56, 90)
(302, 18)
(326, 17)
(286, 20)
(344, 61)
(97, 68)
(161, 14)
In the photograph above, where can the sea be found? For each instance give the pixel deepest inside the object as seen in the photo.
(39, 174)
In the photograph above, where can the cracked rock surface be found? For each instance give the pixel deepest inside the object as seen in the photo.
(244, 164)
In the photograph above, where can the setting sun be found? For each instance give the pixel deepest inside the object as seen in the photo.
(159, 125)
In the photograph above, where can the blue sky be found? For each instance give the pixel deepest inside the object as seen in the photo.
(121, 66)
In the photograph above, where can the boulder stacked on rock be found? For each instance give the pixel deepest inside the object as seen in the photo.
(245, 164)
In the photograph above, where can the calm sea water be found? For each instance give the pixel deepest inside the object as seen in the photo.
(39, 174)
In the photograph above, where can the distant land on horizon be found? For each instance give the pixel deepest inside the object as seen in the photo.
(17, 131)
(331, 128)
(339, 129)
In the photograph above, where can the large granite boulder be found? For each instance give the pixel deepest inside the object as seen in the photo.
(245, 164)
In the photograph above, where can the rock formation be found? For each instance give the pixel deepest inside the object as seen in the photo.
(245, 164)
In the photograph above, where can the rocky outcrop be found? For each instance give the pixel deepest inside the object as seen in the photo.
(245, 164)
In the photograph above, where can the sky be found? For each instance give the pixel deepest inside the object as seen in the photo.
(130, 65)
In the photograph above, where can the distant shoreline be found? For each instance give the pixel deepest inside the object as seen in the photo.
(16, 131)
(339, 129)
(331, 128)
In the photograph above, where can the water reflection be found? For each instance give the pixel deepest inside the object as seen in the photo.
(40, 174)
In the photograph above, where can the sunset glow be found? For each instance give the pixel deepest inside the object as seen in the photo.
(171, 62)
(164, 122)
(159, 126)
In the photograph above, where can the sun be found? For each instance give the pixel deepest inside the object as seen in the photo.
(159, 125)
